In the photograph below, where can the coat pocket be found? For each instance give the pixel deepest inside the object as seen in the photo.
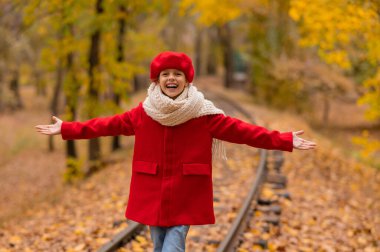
(196, 169)
(145, 167)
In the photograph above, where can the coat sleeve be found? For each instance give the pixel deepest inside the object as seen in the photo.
(121, 124)
(236, 131)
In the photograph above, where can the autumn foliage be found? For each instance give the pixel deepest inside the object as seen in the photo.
(79, 59)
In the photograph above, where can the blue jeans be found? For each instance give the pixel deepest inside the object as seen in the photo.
(169, 239)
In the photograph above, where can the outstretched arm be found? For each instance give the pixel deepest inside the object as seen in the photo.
(236, 131)
(121, 124)
(50, 129)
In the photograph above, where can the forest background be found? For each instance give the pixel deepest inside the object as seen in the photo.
(82, 59)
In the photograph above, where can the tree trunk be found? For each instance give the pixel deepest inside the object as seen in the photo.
(326, 110)
(56, 94)
(40, 85)
(172, 33)
(116, 144)
(279, 24)
(93, 93)
(1, 91)
(225, 36)
(284, 28)
(198, 51)
(71, 99)
(140, 82)
(211, 52)
(15, 88)
(272, 33)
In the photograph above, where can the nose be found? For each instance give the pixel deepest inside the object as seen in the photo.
(171, 76)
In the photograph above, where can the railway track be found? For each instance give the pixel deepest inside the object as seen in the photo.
(236, 212)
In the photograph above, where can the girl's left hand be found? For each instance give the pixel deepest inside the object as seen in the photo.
(51, 129)
(300, 143)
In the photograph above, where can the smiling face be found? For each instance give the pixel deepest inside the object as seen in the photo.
(172, 82)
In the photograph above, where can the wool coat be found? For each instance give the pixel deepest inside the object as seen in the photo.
(171, 182)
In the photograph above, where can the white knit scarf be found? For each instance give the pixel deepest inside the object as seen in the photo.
(188, 105)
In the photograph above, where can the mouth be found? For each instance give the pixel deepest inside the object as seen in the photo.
(171, 85)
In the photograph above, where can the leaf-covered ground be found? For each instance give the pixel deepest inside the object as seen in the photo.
(334, 206)
(335, 200)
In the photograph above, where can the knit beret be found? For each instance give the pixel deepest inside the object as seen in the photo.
(172, 60)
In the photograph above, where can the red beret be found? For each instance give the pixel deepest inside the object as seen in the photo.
(172, 60)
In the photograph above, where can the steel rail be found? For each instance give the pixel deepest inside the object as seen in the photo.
(122, 237)
(232, 238)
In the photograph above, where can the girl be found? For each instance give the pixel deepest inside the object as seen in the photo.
(177, 131)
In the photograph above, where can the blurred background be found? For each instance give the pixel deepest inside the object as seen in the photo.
(80, 59)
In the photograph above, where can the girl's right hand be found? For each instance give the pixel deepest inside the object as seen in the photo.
(51, 129)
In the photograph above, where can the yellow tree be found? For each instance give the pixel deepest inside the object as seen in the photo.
(346, 34)
(217, 13)
(56, 24)
(121, 21)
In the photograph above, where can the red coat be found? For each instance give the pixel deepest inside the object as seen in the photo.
(171, 180)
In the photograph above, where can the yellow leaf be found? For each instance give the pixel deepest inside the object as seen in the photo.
(5, 250)
(305, 249)
(311, 222)
(79, 231)
(101, 241)
(350, 233)
(137, 247)
(15, 239)
(265, 236)
(46, 237)
(362, 241)
(257, 248)
(210, 248)
(292, 232)
(267, 193)
(123, 250)
(231, 215)
(272, 247)
(370, 249)
(141, 240)
(80, 247)
(258, 213)
(307, 241)
(248, 236)
(255, 231)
